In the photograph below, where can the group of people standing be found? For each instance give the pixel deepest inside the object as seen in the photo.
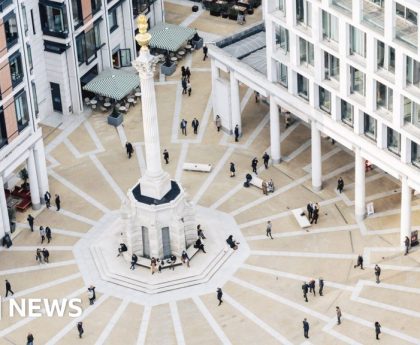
(185, 81)
(194, 124)
(47, 199)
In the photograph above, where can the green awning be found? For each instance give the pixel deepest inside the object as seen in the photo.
(170, 37)
(113, 83)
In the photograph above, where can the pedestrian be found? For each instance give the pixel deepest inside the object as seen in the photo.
(377, 329)
(166, 156)
(266, 158)
(305, 289)
(232, 169)
(377, 273)
(205, 50)
(184, 86)
(236, 133)
(312, 286)
(199, 245)
(254, 164)
(42, 234)
(257, 97)
(189, 89)
(264, 188)
(46, 255)
(8, 288)
(92, 288)
(310, 210)
(38, 256)
(57, 202)
(305, 328)
(315, 215)
(321, 286)
(218, 123)
(80, 329)
(287, 119)
(188, 74)
(185, 258)
(153, 264)
(90, 296)
(195, 123)
(359, 262)
(30, 339)
(200, 232)
(338, 311)
(129, 149)
(30, 220)
(183, 73)
(219, 296)
(134, 259)
(232, 243)
(406, 244)
(47, 199)
(268, 230)
(184, 126)
(48, 234)
(340, 184)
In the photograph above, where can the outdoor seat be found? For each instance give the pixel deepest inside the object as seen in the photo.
(87, 101)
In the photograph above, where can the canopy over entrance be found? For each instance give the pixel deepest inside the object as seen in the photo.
(170, 37)
(113, 83)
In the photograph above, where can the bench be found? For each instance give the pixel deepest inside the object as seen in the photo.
(197, 167)
(257, 182)
(23, 205)
(301, 219)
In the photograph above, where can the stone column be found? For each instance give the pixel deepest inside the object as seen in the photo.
(316, 158)
(33, 181)
(235, 103)
(405, 210)
(4, 215)
(275, 131)
(41, 168)
(359, 185)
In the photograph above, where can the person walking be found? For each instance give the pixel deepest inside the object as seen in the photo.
(359, 262)
(205, 51)
(188, 74)
(195, 123)
(92, 288)
(8, 288)
(312, 286)
(236, 133)
(183, 72)
(340, 184)
(184, 85)
(264, 188)
(377, 329)
(254, 164)
(377, 273)
(218, 123)
(199, 245)
(48, 234)
(46, 255)
(30, 339)
(80, 329)
(305, 289)
(321, 286)
(305, 328)
(232, 169)
(185, 258)
(184, 126)
(268, 230)
(189, 88)
(315, 215)
(129, 148)
(42, 234)
(310, 210)
(287, 119)
(219, 296)
(47, 199)
(38, 256)
(57, 202)
(200, 232)
(90, 296)
(257, 97)
(134, 259)
(338, 312)
(166, 156)
(31, 220)
(266, 158)
(406, 244)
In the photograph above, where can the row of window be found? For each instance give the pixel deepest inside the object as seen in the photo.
(87, 44)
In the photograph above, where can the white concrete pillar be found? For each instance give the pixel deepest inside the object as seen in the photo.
(389, 21)
(316, 158)
(235, 103)
(214, 77)
(33, 181)
(41, 168)
(405, 210)
(359, 185)
(4, 215)
(275, 131)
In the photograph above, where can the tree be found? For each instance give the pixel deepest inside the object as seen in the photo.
(23, 174)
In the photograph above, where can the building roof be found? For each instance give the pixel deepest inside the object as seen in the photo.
(170, 37)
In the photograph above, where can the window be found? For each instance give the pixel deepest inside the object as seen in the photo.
(281, 6)
(357, 81)
(369, 126)
(53, 18)
(357, 41)
(411, 112)
(112, 19)
(415, 154)
(329, 27)
(393, 141)
(25, 19)
(21, 108)
(35, 98)
(81, 48)
(282, 74)
(76, 7)
(33, 23)
(16, 69)
(306, 52)
(28, 48)
(413, 72)
(324, 100)
(3, 132)
(380, 3)
(384, 96)
(121, 58)
(92, 42)
(331, 67)
(385, 57)
(346, 113)
(303, 12)
(10, 30)
(406, 13)
(141, 6)
(282, 39)
(303, 86)
(96, 5)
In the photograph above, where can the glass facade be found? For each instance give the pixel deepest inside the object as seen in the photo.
(393, 141)
(415, 154)
(76, 7)
(303, 86)
(385, 57)
(369, 126)
(331, 67)
(411, 112)
(53, 18)
(306, 50)
(357, 41)
(384, 96)
(324, 100)
(16, 69)
(282, 74)
(282, 38)
(10, 29)
(357, 81)
(21, 108)
(329, 26)
(413, 72)
(346, 113)
(112, 19)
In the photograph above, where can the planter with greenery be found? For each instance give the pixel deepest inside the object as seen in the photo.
(168, 67)
(197, 41)
(23, 175)
(115, 118)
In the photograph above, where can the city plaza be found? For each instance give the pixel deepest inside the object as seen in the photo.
(88, 167)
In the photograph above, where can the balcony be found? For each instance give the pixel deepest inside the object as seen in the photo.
(373, 15)
(344, 6)
(406, 32)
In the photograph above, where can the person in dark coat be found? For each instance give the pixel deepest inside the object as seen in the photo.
(183, 73)
(46, 255)
(321, 286)
(183, 126)
(219, 296)
(377, 273)
(129, 149)
(310, 210)
(312, 286)
(195, 125)
(31, 220)
(340, 185)
(232, 169)
(134, 259)
(188, 74)
(406, 244)
(48, 234)
(266, 158)
(80, 328)
(205, 51)
(200, 232)
(232, 243)
(305, 328)
(305, 289)
(166, 156)
(30, 339)
(359, 262)
(184, 86)
(254, 164)
(236, 131)
(57, 202)
(377, 329)
(338, 312)
(199, 245)
(122, 249)
(315, 216)
(185, 258)
(47, 199)
(8, 288)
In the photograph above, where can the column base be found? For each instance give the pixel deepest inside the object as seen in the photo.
(276, 161)
(36, 206)
(360, 217)
(316, 188)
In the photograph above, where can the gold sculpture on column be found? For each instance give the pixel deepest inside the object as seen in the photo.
(143, 37)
